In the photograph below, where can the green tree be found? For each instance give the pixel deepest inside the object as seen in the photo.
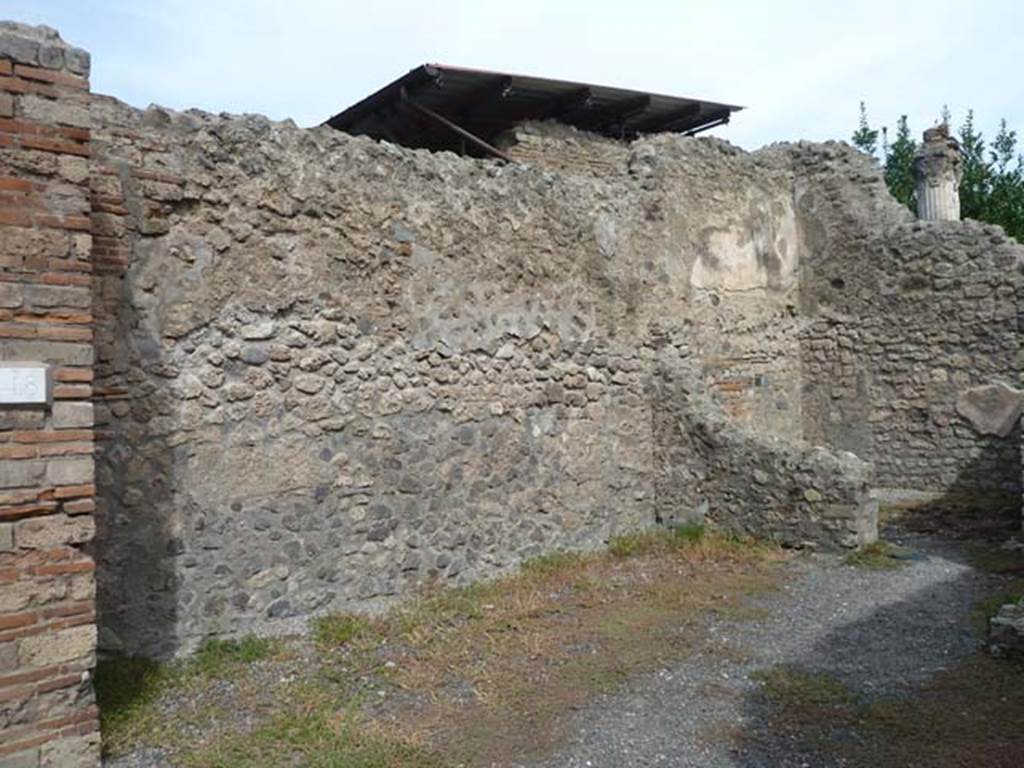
(1006, 197)
(974, 188)
(865, 138)
(992, 188)
(899, 164)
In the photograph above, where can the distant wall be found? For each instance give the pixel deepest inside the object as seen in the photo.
(752, 482)
(47, 608)
(908, 319)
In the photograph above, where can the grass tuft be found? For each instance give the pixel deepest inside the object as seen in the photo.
(546, 565)
(128, 690)
(214, 656)
(686, 538)
(802, 690)
(968, 714)
(879, 556)
(996, 559)
(657, 541)
(125, 690)
(313, 738)
(337, 629)
(989, 606)
(689, 533)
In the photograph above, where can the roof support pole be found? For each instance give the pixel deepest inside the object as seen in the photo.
(427, 112)
(707, 126)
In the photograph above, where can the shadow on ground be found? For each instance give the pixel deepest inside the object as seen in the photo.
(908, 686)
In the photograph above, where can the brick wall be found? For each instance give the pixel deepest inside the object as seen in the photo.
(47, 605)
(566, 149)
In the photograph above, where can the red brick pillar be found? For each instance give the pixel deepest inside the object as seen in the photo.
(47, 591)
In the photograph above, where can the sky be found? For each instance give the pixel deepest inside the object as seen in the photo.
(800, 68)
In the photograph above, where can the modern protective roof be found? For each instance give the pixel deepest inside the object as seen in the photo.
(440, 107)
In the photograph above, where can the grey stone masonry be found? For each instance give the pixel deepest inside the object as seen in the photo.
(334, 370)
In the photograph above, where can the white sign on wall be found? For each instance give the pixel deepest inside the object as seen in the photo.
(24, 384)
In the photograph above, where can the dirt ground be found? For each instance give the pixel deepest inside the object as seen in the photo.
(689, 650)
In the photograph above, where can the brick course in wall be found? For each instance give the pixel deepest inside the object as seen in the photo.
(560, 147)
(47, 588)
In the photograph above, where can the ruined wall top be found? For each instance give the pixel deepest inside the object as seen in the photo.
(41, 46)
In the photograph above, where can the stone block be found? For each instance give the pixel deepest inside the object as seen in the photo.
(21, 418)
(51, 56)
(15, 473)
(992, 409)
(70, 471)
(62, 647)
(257, 331)
(6, 105)
(51, 243)
(255, 354)
(75, 170)
(31, 593)
(11, 295)
(77, 61)
(30, 758)
(6, 537)
(53, 531)
(46, 296)
(19, 48)
(57, 352)
(59, 112)
(8, 657)
(71, 752)
(70, 414)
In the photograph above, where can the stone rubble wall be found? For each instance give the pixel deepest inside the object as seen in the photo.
(47, 616)
(327, 371)
(754, 483)
(331, 370)
(907, 320)
(434, 366)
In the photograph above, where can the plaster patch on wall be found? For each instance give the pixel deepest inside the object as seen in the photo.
(757, 253)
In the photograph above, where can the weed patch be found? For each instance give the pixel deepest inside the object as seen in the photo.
(129, 690)
(880, 556)
(477, 673)
(996, 559)
(692, 536)
(545, 565)
(313, 738)
(989, 606)
(967, 715)
(338, 629)
(215, 656)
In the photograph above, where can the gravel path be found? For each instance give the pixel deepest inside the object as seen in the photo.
(880, 632)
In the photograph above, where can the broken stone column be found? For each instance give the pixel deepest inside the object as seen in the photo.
(938, 168)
